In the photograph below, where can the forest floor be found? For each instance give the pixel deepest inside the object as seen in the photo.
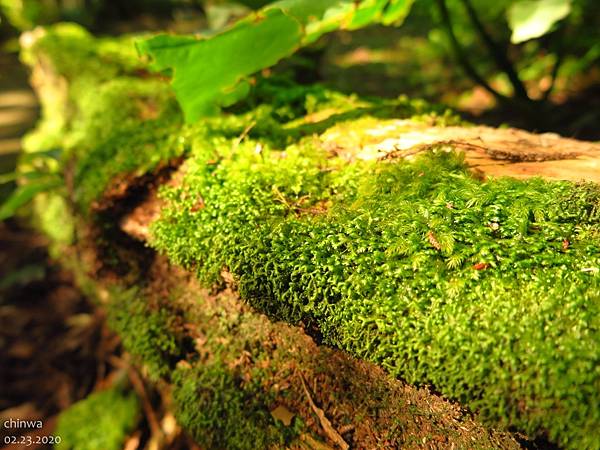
(54, 345)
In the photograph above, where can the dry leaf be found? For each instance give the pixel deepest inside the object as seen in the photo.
(283, 414)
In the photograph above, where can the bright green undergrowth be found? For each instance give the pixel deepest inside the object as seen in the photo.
(488, 290)
(97, 111)
(71, 62)
(101, 421)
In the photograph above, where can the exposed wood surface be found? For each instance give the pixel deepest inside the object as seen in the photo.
(491, 151)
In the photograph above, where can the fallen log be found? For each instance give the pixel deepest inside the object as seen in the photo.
(280, 268)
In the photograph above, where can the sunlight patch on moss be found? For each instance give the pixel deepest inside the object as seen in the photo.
(101, 421)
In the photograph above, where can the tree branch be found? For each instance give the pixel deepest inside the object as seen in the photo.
(498, 53)
(461, 56)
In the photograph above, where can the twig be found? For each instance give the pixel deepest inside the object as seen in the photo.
(325, 423)
(313, 444)
(140, 389)
(419, 148)
(242, 136)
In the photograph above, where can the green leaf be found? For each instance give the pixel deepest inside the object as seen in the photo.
(14, 176)
(209, 73)
(23, 195)
(529, 19)
(396, 12)
(212, 72)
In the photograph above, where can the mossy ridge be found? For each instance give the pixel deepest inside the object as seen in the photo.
(492, 274)
(243, 366)
(146, 333)
(101, 421)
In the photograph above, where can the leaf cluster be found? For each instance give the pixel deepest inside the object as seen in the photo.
(212, 72)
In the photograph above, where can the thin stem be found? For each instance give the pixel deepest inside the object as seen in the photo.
(460, 54)
(553, 75)
(497, 52)
(557, 63)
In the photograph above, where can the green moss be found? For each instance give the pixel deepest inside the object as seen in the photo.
(126, 126)
(488, 290)
(101, 421)
(75, 54)
(97, 111)
(69, 62)
(222, 410)
(145, 333)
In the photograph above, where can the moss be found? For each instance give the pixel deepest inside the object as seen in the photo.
(126, 126)
(69, 62)
(97, 111)
(147, 334)
(221, 410)
(101, 421)
(75, 54)
(488, 290)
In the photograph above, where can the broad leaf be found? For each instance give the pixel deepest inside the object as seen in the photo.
(529, 19)
(211, 72)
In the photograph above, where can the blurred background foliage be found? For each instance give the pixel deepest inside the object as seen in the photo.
(500, 62)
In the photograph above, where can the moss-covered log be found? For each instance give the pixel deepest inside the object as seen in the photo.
(372, 226)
